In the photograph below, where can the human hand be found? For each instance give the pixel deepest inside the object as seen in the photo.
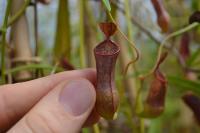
(60, 103)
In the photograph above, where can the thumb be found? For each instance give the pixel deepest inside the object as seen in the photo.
(64, 109)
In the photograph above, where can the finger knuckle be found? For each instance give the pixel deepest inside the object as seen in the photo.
(38, 122)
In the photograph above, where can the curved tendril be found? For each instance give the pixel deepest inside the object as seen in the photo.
(160, 49)
(132, 45)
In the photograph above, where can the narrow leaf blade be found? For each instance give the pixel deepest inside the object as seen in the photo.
(107, 4)
(184, 84)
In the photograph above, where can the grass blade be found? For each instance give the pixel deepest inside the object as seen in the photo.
(107, 4)
(184, 84)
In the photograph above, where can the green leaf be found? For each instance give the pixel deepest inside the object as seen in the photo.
(107, 4)
(85, 130)
(193, 57)
(62, 45)
(155, 126)
(185, 84)
(30, 67)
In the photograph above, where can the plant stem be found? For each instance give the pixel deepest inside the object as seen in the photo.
(19, 13)
(21, 40)
(130, 42)
(53, 71)
(136, 88)
(4, 31)
(142, 126)
(36, 27)
(36, 35)
(160, 49)
(96, 128)
(82, 39)
(130, 36)
(127, 14)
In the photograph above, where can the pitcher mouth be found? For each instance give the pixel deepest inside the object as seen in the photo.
(107, 47)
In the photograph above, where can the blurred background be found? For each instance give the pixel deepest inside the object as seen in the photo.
(51, 36)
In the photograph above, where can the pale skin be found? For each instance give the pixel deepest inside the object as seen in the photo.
(34, 106)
